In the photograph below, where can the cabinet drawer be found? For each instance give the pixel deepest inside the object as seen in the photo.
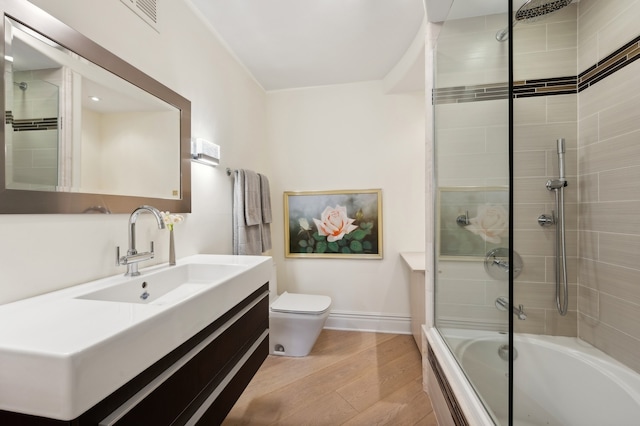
(184, 386)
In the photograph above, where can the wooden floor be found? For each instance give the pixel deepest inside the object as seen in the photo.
(350, 378)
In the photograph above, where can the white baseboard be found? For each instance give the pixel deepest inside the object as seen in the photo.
(365, 321)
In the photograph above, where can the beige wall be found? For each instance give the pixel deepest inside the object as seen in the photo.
(352, 136)
(609, 164)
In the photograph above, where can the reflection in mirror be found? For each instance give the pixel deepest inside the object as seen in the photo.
(78, 136)
(109, 125)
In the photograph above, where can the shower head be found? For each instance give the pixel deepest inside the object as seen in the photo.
(22, 85)
(561, 150)
(531, 11)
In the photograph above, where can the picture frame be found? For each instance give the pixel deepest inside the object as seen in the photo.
(342, 224)
(485, 210)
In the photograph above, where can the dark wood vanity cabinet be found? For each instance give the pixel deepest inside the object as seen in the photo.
(196, 384)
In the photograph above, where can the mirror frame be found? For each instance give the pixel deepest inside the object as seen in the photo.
(41, 202)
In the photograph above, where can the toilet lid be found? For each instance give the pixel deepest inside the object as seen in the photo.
(301, 303)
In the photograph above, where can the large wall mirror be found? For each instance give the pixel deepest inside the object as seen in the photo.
(85, 132)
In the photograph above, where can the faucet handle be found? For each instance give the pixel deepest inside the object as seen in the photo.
(117, 255)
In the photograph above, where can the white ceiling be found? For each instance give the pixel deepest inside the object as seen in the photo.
(302, 43)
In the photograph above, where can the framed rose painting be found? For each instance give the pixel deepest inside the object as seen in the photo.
(472, 221)
(333, 224)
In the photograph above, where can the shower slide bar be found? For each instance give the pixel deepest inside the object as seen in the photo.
(558, 185)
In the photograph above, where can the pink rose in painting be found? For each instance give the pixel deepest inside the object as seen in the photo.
(491, 223)
(334, 223)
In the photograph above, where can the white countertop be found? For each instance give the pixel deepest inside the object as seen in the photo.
(415, 259)
(60, 354)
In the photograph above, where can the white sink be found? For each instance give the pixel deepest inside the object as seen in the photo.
(63, 352)
(170, 286)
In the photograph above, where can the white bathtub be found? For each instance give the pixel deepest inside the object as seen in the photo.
(559, 381)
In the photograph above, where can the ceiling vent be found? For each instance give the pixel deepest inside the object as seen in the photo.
(145, 9)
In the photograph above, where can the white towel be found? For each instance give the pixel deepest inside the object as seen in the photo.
(265, 200)
(252, 208)
(246, 239)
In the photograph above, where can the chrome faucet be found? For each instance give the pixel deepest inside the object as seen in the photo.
(502, 303)
(133, 257)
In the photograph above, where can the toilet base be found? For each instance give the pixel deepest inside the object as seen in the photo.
(294, 334)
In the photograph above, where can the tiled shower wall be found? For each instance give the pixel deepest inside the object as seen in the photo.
(601, 126)
(609, 165)
(472, 150)
(546, 49)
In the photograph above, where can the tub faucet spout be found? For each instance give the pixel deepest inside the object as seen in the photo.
(502, 303)
(133, 257)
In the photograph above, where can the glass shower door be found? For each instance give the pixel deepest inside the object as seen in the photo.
(472, 181)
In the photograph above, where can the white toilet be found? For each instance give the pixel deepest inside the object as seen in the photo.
(295, 321)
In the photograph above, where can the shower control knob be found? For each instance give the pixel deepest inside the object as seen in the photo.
(546, 220)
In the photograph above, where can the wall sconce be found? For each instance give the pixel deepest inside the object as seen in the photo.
(205, 152)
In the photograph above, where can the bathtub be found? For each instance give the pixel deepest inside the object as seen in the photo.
(557, 380)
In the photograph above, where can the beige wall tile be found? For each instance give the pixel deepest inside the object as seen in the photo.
(611, 341)
(616, 153)
(542, 296)
(620, 314)
(588, 130)
(534, 324)
(558, 325)
(595, 16)
(588, 302)
(526, 215)
(473, 114)
(620, 184)
(528, 137)
(562, 108)
(621, 29)
(621, 118)
(589, 246)
(468, 140)
(618, 217)
(529, 39)
(587, 52)
(554, 63)
(562, 35)
(620, 250)
(611, 279)
(530, 163)
(530, 110)
(588, 188)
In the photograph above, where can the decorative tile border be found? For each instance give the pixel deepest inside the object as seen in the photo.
(545, 87)
(50, 123)
(542, 87)
(612, 63)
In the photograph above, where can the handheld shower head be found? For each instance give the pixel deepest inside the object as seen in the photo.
(531, 11)
(561, 151)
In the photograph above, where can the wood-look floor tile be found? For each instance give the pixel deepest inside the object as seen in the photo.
(348, 378)
(409, 406)
(381, 381)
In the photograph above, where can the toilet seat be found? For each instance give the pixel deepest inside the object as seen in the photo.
(301, 303)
